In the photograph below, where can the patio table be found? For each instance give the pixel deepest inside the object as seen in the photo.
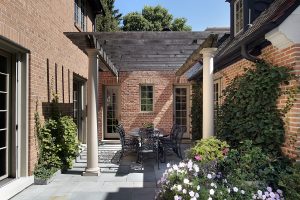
(135, 132)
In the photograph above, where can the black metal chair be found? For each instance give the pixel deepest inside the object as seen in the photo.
(173, 142)
(149, 143)
(128, 143)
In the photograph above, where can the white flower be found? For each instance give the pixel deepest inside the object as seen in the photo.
(209, 176)
(196, 195)
(209, 198)
(279, 191)
(259, 192)
(254, 196)
(176, 197)
(181, 164)
(190, 165)
(168, 165)
(211, 192)
(184, 191)
(242, 191)
(198, 187)
(175, 167)
(191, 193)
(179, 187)
(186, 181)
(269, 189)
(272, 195)
(196, 168)
(193, 198)
(170, 170)
(235, 189)
(228, 190)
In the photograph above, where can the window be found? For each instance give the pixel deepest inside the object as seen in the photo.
(217, 95)
(238, 16)
(146, 92)
(80, 14)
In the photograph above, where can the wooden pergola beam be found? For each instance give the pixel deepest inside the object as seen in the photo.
(196, 56)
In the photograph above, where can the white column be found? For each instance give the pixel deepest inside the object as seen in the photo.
(208, 91)
(92, 168)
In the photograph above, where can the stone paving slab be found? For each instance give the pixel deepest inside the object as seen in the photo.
(121, 181)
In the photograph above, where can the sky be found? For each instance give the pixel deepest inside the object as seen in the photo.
(199, 13)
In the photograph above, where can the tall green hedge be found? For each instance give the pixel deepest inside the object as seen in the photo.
(197, 111)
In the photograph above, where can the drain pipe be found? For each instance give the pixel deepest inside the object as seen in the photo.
(245, 54)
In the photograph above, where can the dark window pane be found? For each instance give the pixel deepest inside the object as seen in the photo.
(3, 162)
(143, 108)
(3, 101)
(3, 81)
(3, 64)
(109, 129)
(149, 101)
(149, 108)
(3, 120)
(2, 138)
(150, 88)
(150, 95)
(143, 101)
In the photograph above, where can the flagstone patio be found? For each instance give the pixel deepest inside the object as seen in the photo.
(124, 180)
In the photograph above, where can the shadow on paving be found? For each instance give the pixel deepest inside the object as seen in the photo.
(124, 180)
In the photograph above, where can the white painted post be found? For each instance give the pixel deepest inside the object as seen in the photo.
(208, 91)
(92, 168)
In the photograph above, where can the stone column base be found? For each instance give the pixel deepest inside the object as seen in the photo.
(91, 172)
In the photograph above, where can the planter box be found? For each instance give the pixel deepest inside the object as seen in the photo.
(39, 181)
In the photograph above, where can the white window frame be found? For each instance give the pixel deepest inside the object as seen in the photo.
(146, 85)
(80, 14)
(238, 16)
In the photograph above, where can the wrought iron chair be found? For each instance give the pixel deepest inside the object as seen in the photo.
(173, 142)
(149, 143)
(128, 143)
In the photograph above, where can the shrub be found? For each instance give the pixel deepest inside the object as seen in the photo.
(43, 172)
(289, 181)
(207, 150)
(66, 137)
(49, 148)
(247, 164)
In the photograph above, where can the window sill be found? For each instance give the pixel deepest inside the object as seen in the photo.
(147, 112)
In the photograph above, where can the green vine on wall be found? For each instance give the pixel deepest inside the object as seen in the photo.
(196, 111)
(250, 107)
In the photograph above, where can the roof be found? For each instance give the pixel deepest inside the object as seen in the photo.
(97, 6)
(143, 50)
(277, 12)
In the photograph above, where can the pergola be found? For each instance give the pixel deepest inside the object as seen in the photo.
(130, 51)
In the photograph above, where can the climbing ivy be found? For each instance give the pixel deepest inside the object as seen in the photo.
(250, 107)
(197, 111)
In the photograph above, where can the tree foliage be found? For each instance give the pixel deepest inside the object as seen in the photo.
(110, 22)
(153, 19)
(196, 109)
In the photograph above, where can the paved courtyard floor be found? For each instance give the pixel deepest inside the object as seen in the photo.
(126, 180)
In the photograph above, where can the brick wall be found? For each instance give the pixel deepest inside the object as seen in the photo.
(39, 26)
(289, 57)
(129, 83)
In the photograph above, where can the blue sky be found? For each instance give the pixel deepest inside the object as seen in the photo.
(199, 13)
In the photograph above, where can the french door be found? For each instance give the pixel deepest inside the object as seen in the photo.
(4, 114)
(79, 107)
(111, 116)
(181, 107)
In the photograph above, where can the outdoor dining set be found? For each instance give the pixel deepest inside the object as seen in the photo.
(151, 140)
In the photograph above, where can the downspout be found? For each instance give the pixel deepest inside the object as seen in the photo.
(245, 54)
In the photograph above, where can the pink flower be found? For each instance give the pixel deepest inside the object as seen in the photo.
(198, 157)
(225, 151)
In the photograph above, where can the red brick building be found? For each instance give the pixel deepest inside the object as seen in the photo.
(265, 30)
(35, 59)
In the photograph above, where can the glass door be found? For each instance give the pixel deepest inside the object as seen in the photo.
(181, 106)
(4, 111)
(111, 111)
